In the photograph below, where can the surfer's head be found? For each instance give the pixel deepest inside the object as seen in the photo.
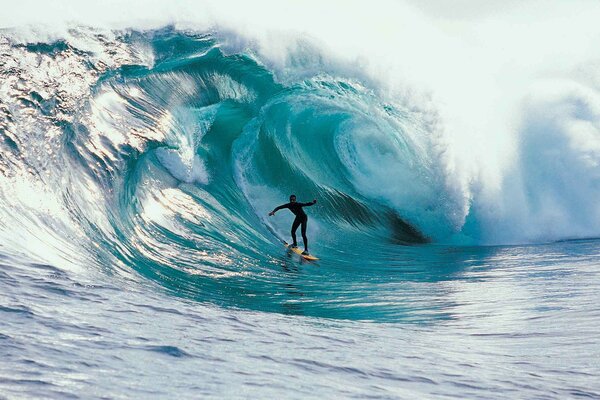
(292, 198)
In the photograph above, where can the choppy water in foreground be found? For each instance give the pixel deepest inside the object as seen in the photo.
(500, 322)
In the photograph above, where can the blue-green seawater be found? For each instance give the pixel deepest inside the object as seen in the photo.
(138, 261)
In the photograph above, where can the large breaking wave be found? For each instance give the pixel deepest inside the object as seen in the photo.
(161, 151)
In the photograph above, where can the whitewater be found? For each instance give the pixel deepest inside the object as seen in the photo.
(454, 153)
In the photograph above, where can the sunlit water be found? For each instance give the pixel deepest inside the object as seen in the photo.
(501, 322)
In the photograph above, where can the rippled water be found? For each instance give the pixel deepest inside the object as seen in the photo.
(498, 322)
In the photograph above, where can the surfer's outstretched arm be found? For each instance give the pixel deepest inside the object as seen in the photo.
(286, 205)
(310, 203)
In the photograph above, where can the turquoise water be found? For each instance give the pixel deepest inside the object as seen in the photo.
(138, 259)
(487, 323)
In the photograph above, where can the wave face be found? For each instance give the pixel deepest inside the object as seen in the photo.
(160, 152)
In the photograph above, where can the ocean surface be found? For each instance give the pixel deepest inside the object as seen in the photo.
(137, 259)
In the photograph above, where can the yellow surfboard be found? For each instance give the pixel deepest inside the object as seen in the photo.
(296, 250)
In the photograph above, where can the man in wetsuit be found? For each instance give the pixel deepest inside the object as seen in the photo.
(301, 219)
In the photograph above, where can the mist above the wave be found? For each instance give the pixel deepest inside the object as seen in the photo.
(474, 71)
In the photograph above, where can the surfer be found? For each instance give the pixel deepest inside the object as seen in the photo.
(301, 219)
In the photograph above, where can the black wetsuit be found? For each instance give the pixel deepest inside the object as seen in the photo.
(301, 219)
